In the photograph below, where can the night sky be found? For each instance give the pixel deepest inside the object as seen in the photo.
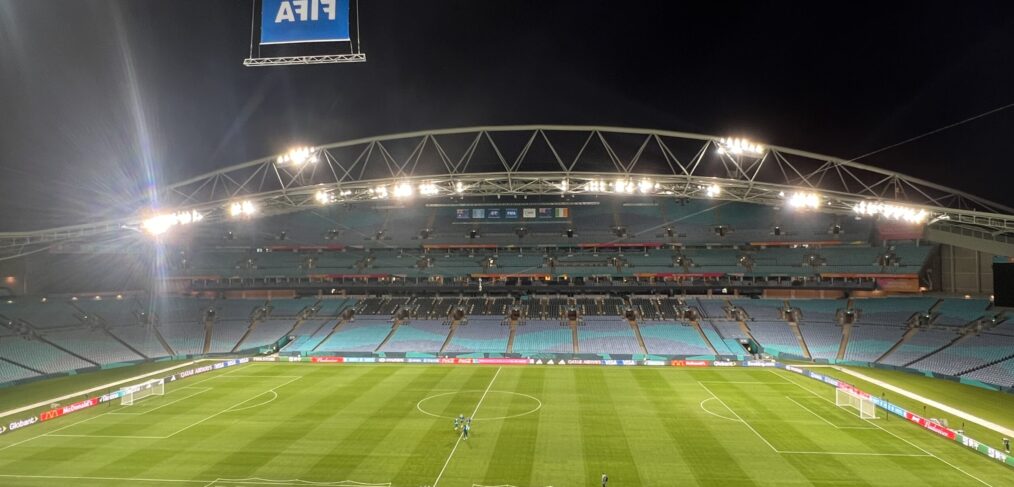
(93, 92)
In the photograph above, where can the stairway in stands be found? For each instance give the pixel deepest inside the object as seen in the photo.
(394, 328)
(637, 335)
(450, 334)
(700, 331)
(510, 338)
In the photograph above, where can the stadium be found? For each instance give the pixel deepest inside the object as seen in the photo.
(515, 305)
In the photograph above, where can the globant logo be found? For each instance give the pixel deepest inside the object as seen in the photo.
(22, 423)
(724, 363)
(794, 369)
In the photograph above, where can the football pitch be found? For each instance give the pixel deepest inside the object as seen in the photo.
(302, 424)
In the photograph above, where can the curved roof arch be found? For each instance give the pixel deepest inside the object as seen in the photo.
(550, 160)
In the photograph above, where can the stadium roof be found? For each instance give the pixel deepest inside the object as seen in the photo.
(516, 161)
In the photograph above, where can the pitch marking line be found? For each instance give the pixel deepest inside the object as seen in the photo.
(716, 414)
(858, 454)
(766, 442)
(234, 406)
(250, 481)
(418, 405)
(201, 390)
(462, 434)
(825, 419)
(26, 440)
(295, 482)
(955, 467)
(117, 479)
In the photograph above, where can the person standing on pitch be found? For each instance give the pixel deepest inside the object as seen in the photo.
(465, 430)
(605, 480)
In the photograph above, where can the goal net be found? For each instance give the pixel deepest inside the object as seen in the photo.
(863, 405)
(140, 391)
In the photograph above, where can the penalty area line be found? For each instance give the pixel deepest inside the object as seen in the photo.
(766, 442)
(881, 428)
(462, 434)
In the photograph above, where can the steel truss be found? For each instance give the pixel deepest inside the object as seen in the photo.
(555, 160)
(356, 57)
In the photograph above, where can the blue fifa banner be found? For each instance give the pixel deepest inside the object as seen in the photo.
(298, 21)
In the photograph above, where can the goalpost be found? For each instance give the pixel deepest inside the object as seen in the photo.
(863, 405)
(140, 391)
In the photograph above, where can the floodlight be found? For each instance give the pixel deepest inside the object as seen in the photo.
(459, 187)
(429, 189)
(379, 192)
(402, 190)
(297, 156)
(713, 191)
(805, 200)
(646, 186)
(623, 186)
(739, 146)
(161, 223)
(323, 196)
(242, 208)
(891, 211)
(564, 185)
(595, 186)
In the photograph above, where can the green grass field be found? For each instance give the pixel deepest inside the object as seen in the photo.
(306, 424)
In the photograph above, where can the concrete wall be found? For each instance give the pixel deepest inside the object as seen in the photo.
(965, 271)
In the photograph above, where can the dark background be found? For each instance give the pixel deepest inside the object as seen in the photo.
(99, 99)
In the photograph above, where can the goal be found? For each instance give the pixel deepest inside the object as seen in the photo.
(863, 405)
(140, 391)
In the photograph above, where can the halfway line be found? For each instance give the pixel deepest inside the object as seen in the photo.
(456, 443)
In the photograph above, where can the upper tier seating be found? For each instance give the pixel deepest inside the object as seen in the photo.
(49, 314)
(818, 310)
(289, 307)
(113, 312)
(760, 309)
(712, 308)
(958, 312)
(894, 311)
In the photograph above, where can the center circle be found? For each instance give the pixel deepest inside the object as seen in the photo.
(536, 404)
